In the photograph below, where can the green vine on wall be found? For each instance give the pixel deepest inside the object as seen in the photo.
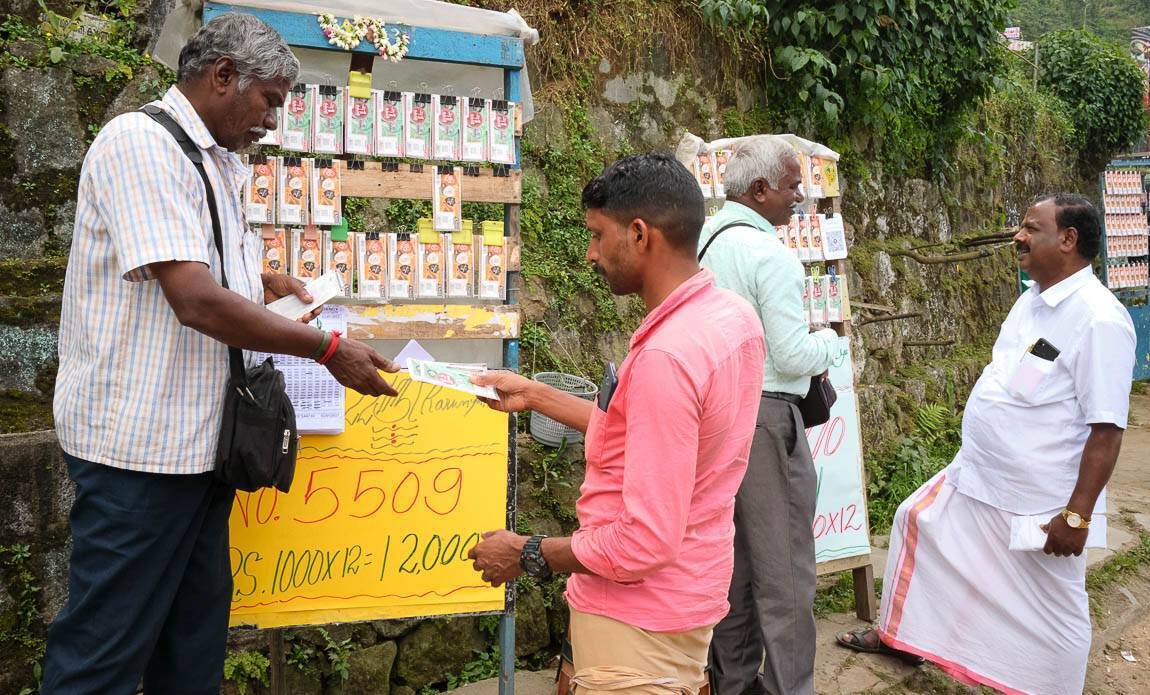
(906, 72)
(554, 251)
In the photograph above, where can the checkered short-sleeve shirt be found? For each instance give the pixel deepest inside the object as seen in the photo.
(136, 389)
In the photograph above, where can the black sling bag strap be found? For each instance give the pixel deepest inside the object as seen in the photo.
(257, 446)
(716, 236)
(235, 355)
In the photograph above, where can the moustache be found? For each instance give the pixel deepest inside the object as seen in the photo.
(599, 270)
(1021, 247)
(258, 132)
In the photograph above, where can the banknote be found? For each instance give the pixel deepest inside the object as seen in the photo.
(452, 376)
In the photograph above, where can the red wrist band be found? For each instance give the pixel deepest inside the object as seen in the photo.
(330, 348)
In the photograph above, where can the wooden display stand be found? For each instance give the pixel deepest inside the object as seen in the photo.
(491, 324)
(866, 603)
(1136, 299)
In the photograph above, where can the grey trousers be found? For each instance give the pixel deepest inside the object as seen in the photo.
(773, 587)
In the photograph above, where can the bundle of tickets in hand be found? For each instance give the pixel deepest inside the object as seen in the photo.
(449, 375)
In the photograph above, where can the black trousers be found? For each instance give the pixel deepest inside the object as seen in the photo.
(773, 585)
(149, 585)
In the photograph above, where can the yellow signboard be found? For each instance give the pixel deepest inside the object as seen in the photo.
(380, 518)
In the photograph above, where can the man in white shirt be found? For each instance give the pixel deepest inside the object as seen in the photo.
(986, 572)
(773, 588)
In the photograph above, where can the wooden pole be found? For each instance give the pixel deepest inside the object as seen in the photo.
(276, 655)
(866, 603)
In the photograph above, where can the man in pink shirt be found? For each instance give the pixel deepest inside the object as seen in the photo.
(666, 447)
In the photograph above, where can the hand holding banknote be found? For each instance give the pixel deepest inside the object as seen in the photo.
(513, 390)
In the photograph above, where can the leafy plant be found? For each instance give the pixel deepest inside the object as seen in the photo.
(485, 665)
(38, 674)
(489, 625)
(839, 597)
(243, 667)
(551, 466)
(1101, 84)
(914, 459)
(740, 14)
(302, 656)
(338, 654)
(931, 421)
(24, 634)
(554, 247)
(111, 35)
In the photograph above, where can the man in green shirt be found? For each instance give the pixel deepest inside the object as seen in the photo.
(773, 587)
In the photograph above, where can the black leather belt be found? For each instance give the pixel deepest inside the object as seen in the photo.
(779, 396)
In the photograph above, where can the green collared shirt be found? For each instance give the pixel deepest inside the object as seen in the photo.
(751, 261)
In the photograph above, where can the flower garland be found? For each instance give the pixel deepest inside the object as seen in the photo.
(394, 52)
(348, 34)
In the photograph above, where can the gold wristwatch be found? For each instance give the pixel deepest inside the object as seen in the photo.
(1075, 520)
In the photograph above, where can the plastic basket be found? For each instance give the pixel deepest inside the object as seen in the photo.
(549, 432)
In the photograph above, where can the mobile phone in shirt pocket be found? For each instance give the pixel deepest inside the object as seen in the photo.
(1028, 377)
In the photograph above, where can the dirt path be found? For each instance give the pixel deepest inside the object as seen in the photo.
(1120, 658)
(1121, 609)
(1120, 663)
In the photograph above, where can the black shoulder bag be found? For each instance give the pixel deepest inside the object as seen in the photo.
(257, 446)
(815, 407)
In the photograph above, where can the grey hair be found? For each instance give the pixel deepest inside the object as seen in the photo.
(757, 157)
(258, 51)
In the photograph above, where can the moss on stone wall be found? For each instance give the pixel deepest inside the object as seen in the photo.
(24, 411)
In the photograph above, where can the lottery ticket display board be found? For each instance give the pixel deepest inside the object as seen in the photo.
(380, 518)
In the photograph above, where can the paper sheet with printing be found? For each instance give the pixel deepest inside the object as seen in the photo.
(318, 398)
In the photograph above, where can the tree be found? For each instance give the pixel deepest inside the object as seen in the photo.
(1101, 85)
(1110, 19)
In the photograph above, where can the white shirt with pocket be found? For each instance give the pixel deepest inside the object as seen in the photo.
(1027, 419)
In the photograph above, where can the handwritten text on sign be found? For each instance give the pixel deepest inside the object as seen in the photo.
(840, 514)
(380, 518)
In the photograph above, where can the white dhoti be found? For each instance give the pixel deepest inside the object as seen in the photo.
(953, 593)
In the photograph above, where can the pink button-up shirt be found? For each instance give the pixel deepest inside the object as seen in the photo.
(664, 462)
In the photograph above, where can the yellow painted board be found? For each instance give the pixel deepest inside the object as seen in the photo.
(379, 519)
(433, 321)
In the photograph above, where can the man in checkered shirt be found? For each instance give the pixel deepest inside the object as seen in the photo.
(144, 333)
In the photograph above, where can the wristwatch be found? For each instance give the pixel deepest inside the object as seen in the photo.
(1075, 520)
(532, 560)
